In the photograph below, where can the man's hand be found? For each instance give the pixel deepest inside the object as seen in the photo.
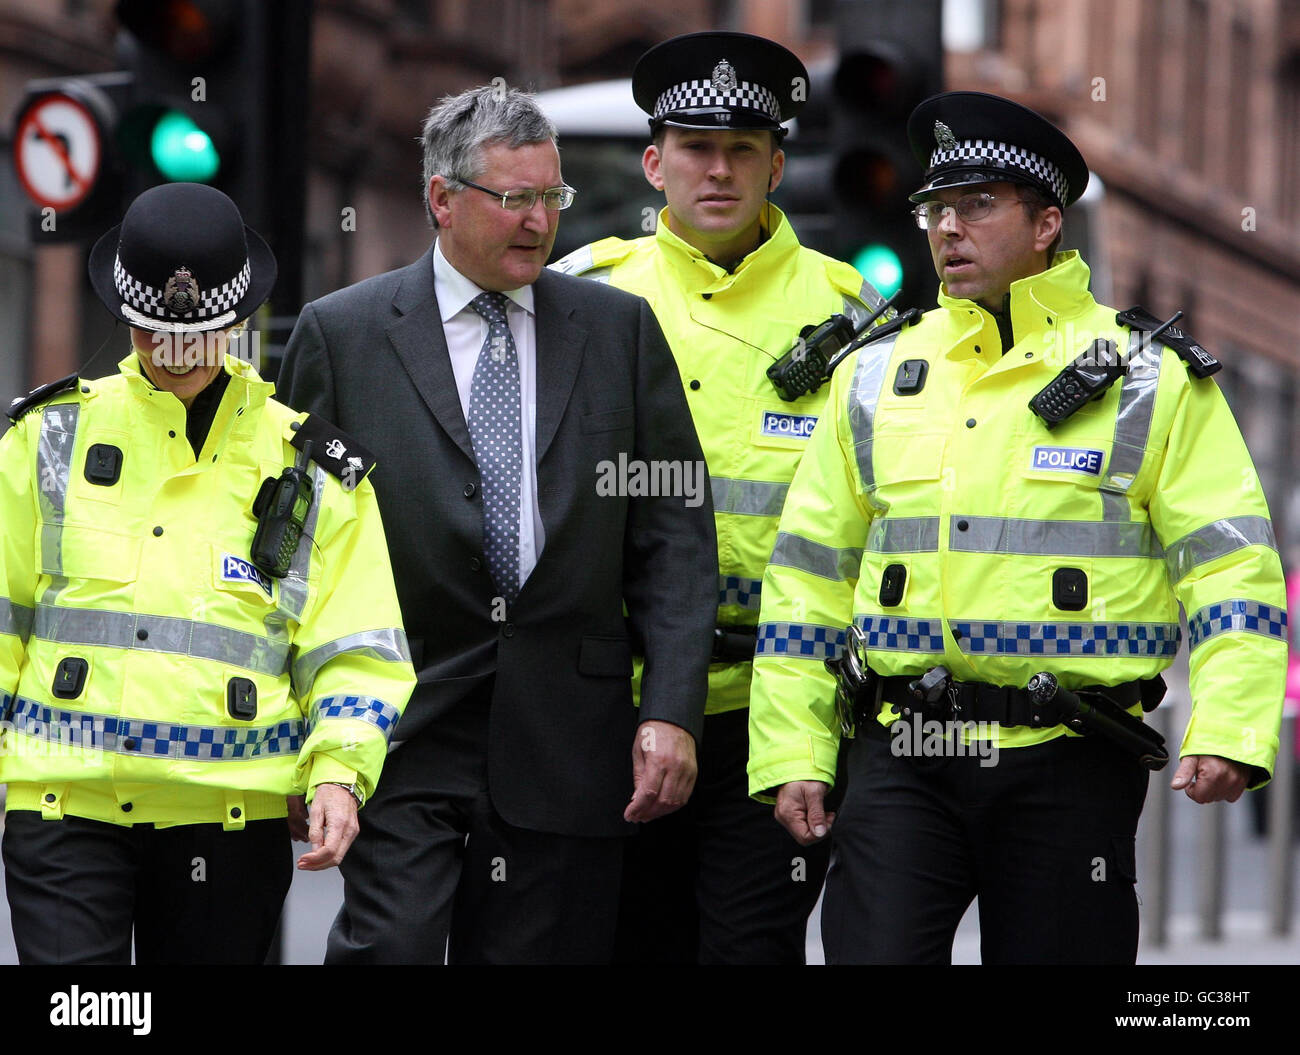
(1209, 778)
(333, 827)
(799, 809)
(663, 770)
(298, 823)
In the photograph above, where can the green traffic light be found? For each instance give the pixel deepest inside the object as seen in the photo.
(181, 150)
(880, 266)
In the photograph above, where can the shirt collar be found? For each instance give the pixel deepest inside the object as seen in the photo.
(454, 291)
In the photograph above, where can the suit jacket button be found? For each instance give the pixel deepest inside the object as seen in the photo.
(469, 490)
(475, 564)
(508, 630)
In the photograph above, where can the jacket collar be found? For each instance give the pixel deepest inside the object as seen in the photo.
(779, 242)
(1039, 301)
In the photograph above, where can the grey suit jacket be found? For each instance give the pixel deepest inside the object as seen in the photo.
(372, 359)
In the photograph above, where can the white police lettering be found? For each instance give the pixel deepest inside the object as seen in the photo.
(1067, 460)
(234, 569)
(798, 426)
(75, 1008)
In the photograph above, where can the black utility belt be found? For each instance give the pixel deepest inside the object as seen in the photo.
(974, 701)
(734, 644)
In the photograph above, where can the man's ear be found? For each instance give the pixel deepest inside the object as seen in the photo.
(778, 170)
(650, 161)
(1046, 227)
(439, 200)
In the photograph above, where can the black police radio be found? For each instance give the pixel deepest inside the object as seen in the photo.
(818, 351)
(281, 509)
(1087, 378)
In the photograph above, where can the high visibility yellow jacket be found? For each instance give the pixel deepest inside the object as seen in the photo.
(725, 330)
(1149, 494)
(147, 581)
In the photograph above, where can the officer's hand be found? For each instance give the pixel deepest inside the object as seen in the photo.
(333, 827)
(1209, 778)
(663, 770)
(799, 809)
(298, 830)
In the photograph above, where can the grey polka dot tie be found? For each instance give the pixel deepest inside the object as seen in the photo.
(494, 430)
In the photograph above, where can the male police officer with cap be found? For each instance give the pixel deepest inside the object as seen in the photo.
(997, 551)
(731, 286)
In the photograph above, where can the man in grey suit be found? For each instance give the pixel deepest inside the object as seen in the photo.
(538, 473)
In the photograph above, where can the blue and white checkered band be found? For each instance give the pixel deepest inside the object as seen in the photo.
(693, 95)
(144, 304)
(978, 152)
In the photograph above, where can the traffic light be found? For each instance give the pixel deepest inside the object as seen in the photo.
(200, 96)
(891, 58)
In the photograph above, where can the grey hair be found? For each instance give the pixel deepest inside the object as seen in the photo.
(459, 126)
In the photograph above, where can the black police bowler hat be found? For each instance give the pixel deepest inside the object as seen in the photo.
(181, 261)
(962, 138)
(720, 80)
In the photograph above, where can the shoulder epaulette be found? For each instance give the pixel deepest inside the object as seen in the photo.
(595, 256)
(1199, 362)
(333, 450)
(895, 324)
(44, 394)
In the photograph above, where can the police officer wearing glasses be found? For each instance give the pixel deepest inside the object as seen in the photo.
(1025, 486)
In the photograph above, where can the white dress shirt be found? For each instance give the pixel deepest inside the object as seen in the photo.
(465, 330)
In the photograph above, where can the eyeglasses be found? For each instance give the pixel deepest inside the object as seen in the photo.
(968, 207)
(553, 198)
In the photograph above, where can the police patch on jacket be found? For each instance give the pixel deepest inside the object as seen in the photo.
(334, 450)
(794, 426)
(1067, 460)
(236, 569)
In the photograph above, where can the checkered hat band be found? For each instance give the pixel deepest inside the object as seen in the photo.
(1001, 155)
(149, 301)
(692, 95)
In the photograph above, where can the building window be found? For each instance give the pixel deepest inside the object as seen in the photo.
(1288, 134)
(1242, 61)
(1195, 66)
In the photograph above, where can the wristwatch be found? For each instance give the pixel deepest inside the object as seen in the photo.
(352, 789)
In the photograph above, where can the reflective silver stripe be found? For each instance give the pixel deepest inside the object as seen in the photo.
(748, 497)
(870, 296)
(388, 645)
(1066, 639)
(1217, 540)
(1137, 400)
(1113, 506)
(1065, 538)
(864, 394)
(53, 468)
(738, 591)
(802, 554)
(356, 708)
(1240, 615)
(904, 535)
(84, 626)
(136, 736)
(15, 619)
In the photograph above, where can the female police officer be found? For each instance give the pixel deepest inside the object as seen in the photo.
(164, 688)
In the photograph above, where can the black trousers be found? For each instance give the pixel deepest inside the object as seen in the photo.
(718, 881)
(436, 872)
(1044, 839)
(193, 893)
